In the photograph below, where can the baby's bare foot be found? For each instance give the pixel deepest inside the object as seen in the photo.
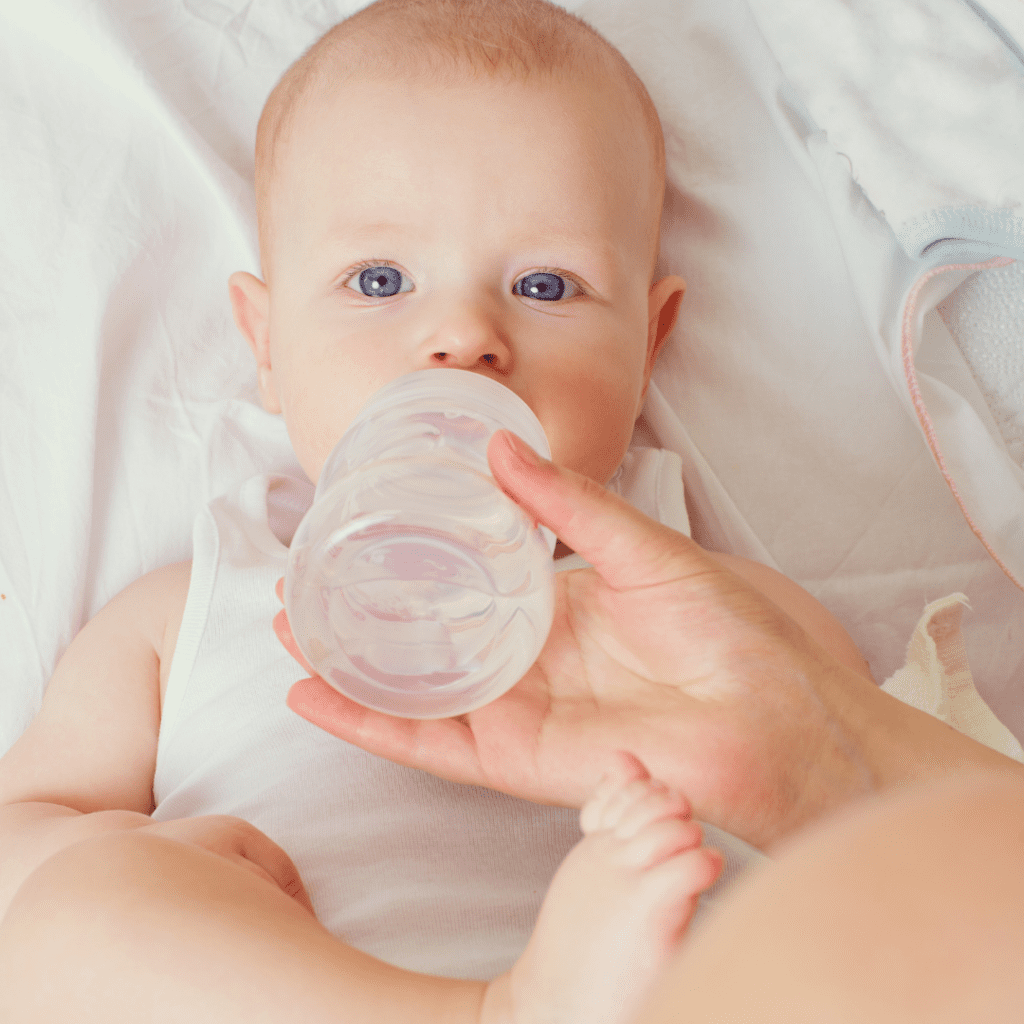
(615, 909)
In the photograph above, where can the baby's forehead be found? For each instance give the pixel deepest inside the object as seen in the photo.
(604, 85)
(416, 75)
(603, 137)
(621, 115)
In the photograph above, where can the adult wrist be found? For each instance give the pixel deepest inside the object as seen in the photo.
(876, 743)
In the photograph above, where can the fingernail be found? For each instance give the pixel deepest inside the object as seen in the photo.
(523, 451)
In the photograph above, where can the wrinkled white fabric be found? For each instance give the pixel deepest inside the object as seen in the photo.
(128, 400)
(924, 98)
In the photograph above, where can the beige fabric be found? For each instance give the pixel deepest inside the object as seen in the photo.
(937, 678)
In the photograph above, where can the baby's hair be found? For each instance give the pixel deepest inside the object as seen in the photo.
(443, 42)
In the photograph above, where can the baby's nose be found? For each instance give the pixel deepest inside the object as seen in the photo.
(468, 339)
(446, 359)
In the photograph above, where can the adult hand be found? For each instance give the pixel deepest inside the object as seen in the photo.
(658, 650)
(662, 652)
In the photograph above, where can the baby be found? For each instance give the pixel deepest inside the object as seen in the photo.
(473, 184)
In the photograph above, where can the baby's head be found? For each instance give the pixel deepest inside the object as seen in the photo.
(471, 184)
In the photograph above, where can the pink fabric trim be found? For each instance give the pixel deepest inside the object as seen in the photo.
(907, 350)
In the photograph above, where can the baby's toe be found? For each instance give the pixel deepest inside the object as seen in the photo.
(607, 805)
(659, 840)
(654, 806)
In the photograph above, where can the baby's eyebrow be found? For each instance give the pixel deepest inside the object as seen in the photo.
(572, 244)
(358, 231)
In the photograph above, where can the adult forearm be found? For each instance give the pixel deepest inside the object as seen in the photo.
(907, 909)
(32, 832)
(909, 746)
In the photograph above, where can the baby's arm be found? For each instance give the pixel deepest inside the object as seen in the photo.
(85, 764)
(809, 613)
(107, 916)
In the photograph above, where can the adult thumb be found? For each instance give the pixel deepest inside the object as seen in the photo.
(626, 547)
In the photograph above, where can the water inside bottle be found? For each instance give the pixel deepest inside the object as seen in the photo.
(393, 603)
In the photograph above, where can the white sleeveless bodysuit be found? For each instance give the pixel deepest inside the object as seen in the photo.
(425, 874)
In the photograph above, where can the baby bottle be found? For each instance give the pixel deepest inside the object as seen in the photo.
(415, 585)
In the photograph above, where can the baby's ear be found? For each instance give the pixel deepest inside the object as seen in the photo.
(250, 306)
(663, 302)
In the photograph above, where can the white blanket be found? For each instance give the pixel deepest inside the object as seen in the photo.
(925, 98)
(127, 399)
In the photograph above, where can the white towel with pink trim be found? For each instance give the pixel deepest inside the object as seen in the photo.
(911, 111)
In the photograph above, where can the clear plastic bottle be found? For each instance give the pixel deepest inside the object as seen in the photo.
(415, 585)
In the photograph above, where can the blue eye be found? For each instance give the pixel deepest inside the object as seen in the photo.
(382, 280)
(379, 280)
(543, 285)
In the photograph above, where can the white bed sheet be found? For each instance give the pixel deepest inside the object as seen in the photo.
(127, 398)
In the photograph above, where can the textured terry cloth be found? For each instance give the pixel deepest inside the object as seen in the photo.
(985, 317)
(937, 678)
(425, 874)
(924, 98)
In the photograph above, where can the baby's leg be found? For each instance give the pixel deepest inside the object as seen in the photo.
(129, 928)
(615, 910)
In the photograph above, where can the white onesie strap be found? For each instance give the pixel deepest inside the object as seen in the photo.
(651, 480)
(937, 678)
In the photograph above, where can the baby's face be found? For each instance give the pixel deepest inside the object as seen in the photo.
(492, 227)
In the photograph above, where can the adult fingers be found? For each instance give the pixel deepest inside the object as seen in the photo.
(627, 548)
(283, 630)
